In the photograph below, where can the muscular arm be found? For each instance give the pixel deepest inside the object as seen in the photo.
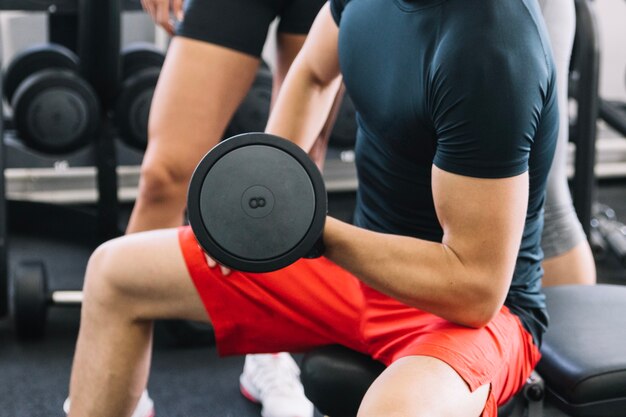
(307, 95)
(465, 278)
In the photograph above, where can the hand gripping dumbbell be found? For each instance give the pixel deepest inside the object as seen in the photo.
(54, 109)
(257, 203)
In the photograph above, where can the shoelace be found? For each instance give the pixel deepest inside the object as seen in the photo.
(276, 374)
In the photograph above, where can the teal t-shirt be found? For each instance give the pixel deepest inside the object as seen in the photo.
(467, 85)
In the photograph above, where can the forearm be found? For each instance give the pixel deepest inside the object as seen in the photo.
(303, 106)
(423, 274)
(307, 94)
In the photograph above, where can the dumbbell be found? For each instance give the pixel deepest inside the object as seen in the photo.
(54, 109)
(31, 299)
(141, 66)
(257, 203)
(614, 234)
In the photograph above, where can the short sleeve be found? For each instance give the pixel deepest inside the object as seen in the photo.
(486, 103)
(336, 9)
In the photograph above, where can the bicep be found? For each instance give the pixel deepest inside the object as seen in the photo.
(483, 221)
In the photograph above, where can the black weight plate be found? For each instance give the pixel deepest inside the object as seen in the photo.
(56, 112)
(33, 59)
(30, 292)
(257, 203)
(132, 107)
(138, 56)
(250, 200)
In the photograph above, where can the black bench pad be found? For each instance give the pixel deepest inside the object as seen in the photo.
(584, 349)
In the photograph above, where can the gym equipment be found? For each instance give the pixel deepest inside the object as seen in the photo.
(596, 241)
(268, 215)
(4, 269)
(54, 110)
(60, 7)
(33, 59)
(612, 232)
(141, 66)
(48, 261)
(31, 299)
(95, 35)
(140, 55)
(614, 114)
(584, 79)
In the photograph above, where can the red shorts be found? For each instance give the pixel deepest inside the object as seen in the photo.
(313, 302)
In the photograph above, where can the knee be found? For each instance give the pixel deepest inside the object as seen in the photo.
(106, 287)
(162, 179)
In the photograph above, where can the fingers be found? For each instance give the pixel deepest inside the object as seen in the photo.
(159, 10)
(210, 261)
(147, 6)
(163, 16)
(212, 264)
(177, 9)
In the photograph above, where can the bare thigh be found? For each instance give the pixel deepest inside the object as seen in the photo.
(200, 87)
(145, 275)
(422, 386)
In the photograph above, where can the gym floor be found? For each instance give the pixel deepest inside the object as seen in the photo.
(184, 382)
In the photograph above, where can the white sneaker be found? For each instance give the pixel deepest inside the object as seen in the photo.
(145, 407)
(274, 381)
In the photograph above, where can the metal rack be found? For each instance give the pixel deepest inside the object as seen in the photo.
(92, 29)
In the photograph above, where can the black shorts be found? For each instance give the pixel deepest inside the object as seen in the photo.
(242, 25)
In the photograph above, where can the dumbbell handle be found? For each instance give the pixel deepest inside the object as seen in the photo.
(66, 298)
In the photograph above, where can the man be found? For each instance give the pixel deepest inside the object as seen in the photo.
(440, 277)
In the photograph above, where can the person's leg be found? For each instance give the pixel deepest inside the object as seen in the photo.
(422, 386)
(129, 282)
(163, 274)
(575, 266)
(210, 66)
(200, 87)
(568, 256)
(439, 368)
